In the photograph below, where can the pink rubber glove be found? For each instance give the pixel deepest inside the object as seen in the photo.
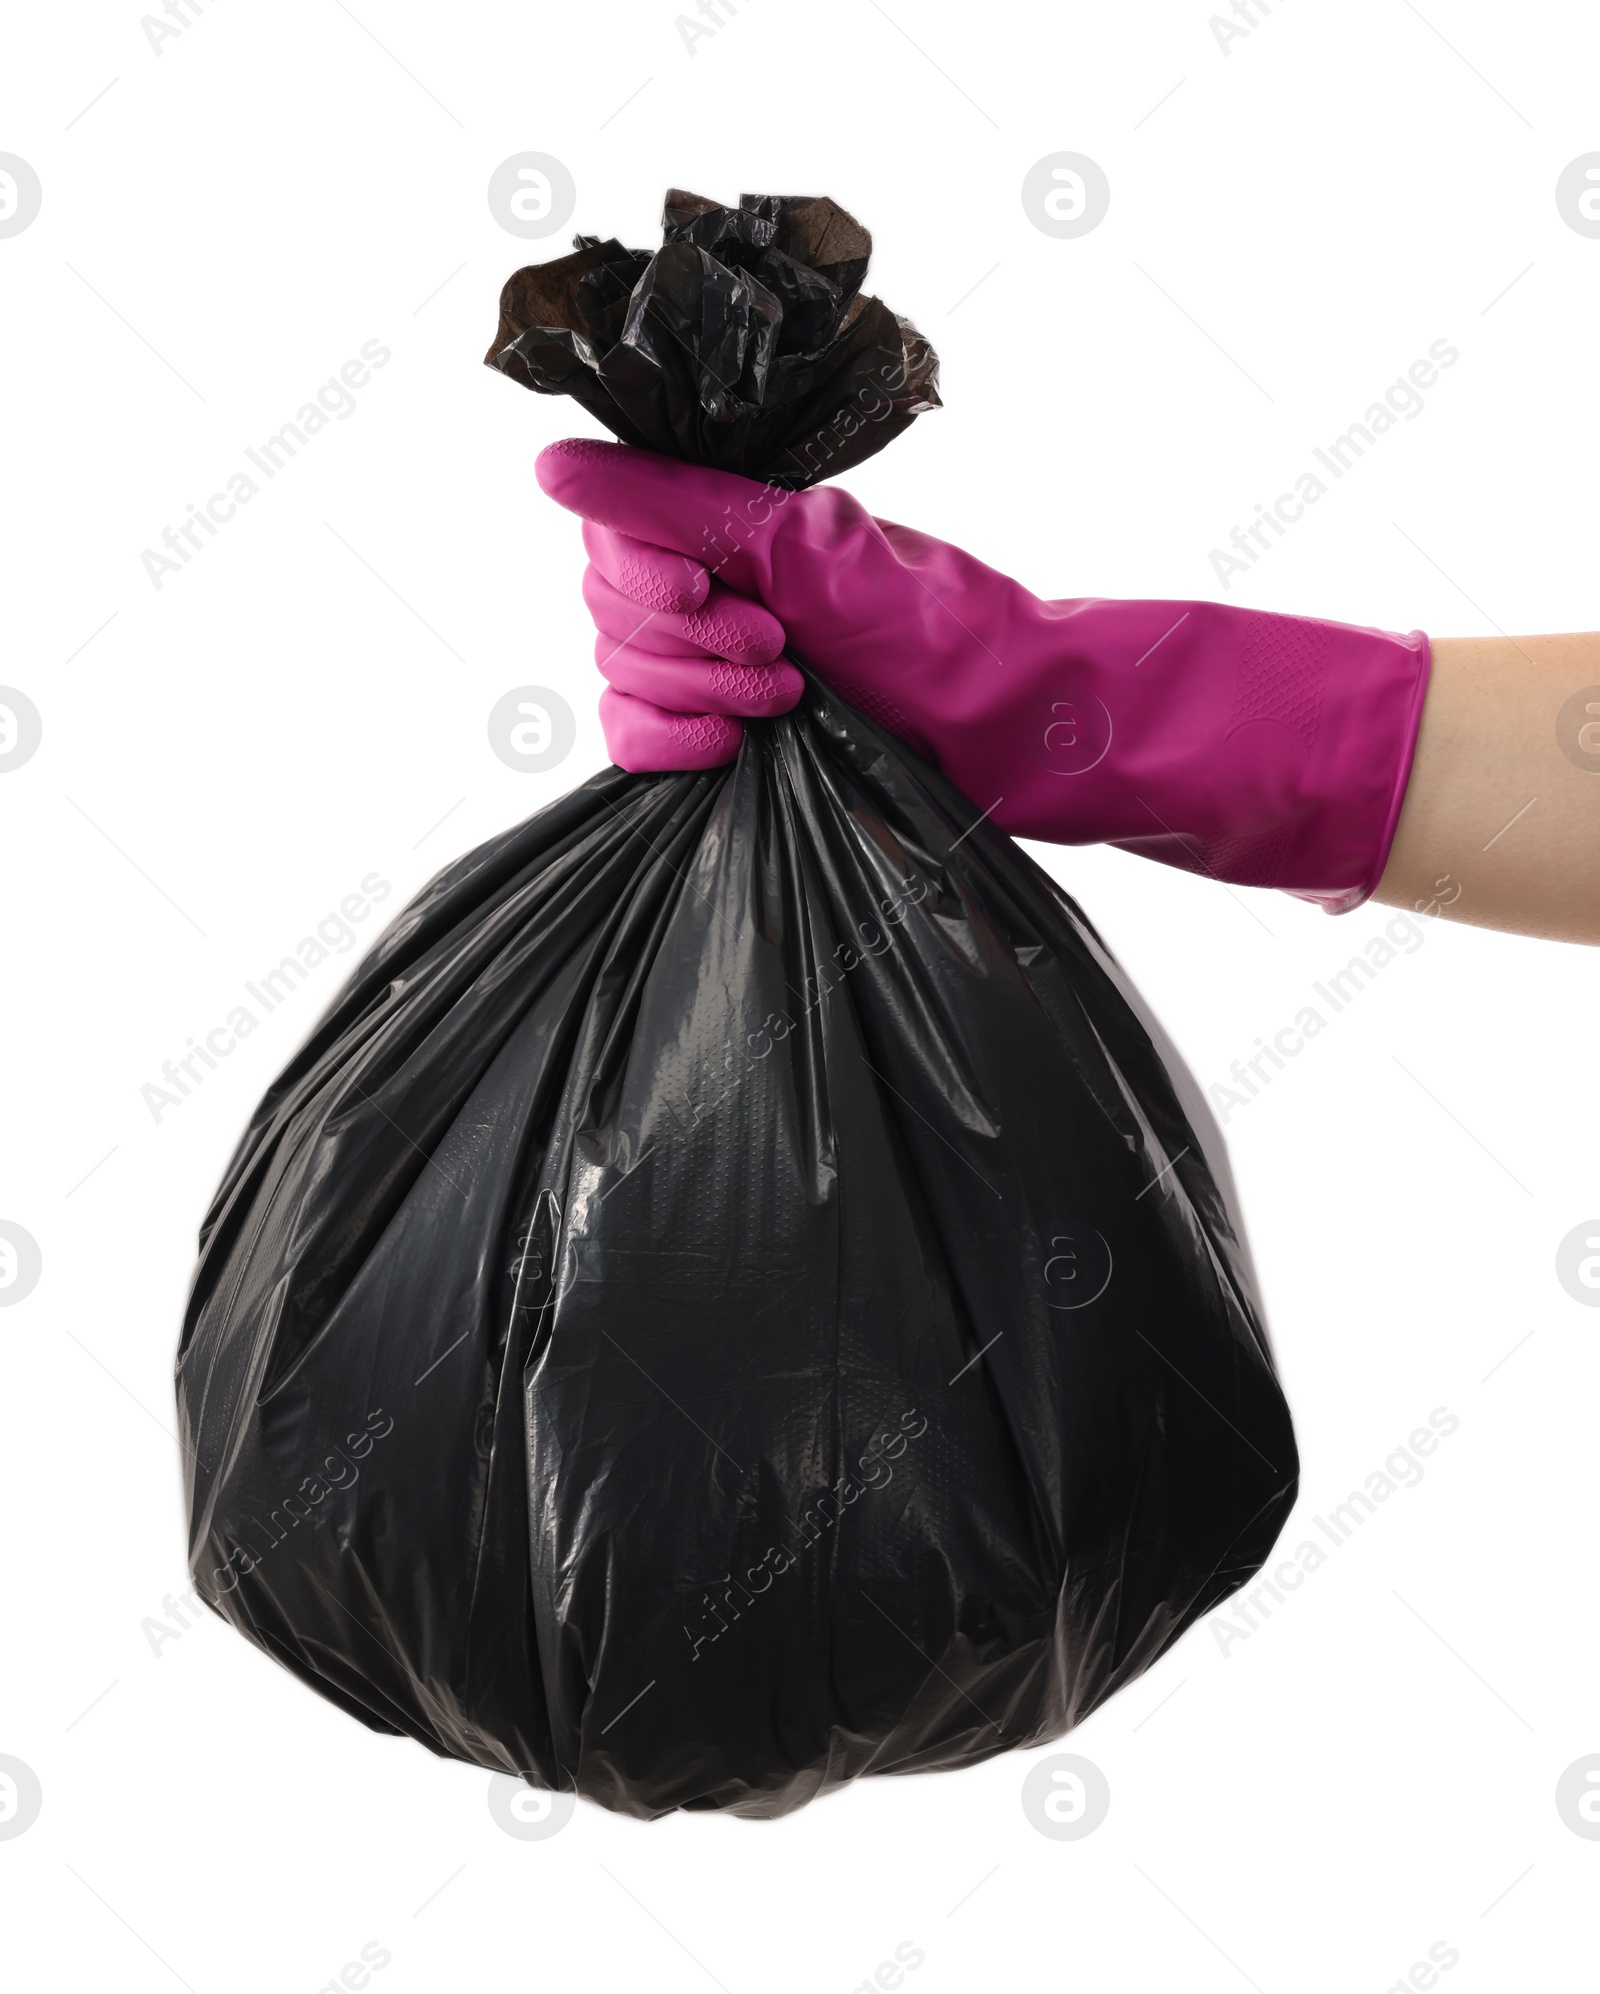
(681, 653)
(1265, 750)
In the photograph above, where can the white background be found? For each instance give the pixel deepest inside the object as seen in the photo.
(1370, 1772)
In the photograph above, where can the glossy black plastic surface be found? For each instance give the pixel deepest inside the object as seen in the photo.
(745, 341)
(736, 1294)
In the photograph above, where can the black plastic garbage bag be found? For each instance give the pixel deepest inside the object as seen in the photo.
(737, 1293)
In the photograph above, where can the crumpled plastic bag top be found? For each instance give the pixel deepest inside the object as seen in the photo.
(745, 342)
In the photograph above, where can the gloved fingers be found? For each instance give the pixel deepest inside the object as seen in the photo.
(684, 507)
(727, 625)
(700, 685)
(644, 738)
(654, 577)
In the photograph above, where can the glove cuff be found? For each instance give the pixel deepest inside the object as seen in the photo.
(1377, 690)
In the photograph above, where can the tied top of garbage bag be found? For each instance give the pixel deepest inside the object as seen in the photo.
(745, 342)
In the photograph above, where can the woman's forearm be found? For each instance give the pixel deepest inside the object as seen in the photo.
(1501, 822)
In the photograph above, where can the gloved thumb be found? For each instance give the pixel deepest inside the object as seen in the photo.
(710, 516)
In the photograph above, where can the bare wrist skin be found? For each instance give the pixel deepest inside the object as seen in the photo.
(1501, 821)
